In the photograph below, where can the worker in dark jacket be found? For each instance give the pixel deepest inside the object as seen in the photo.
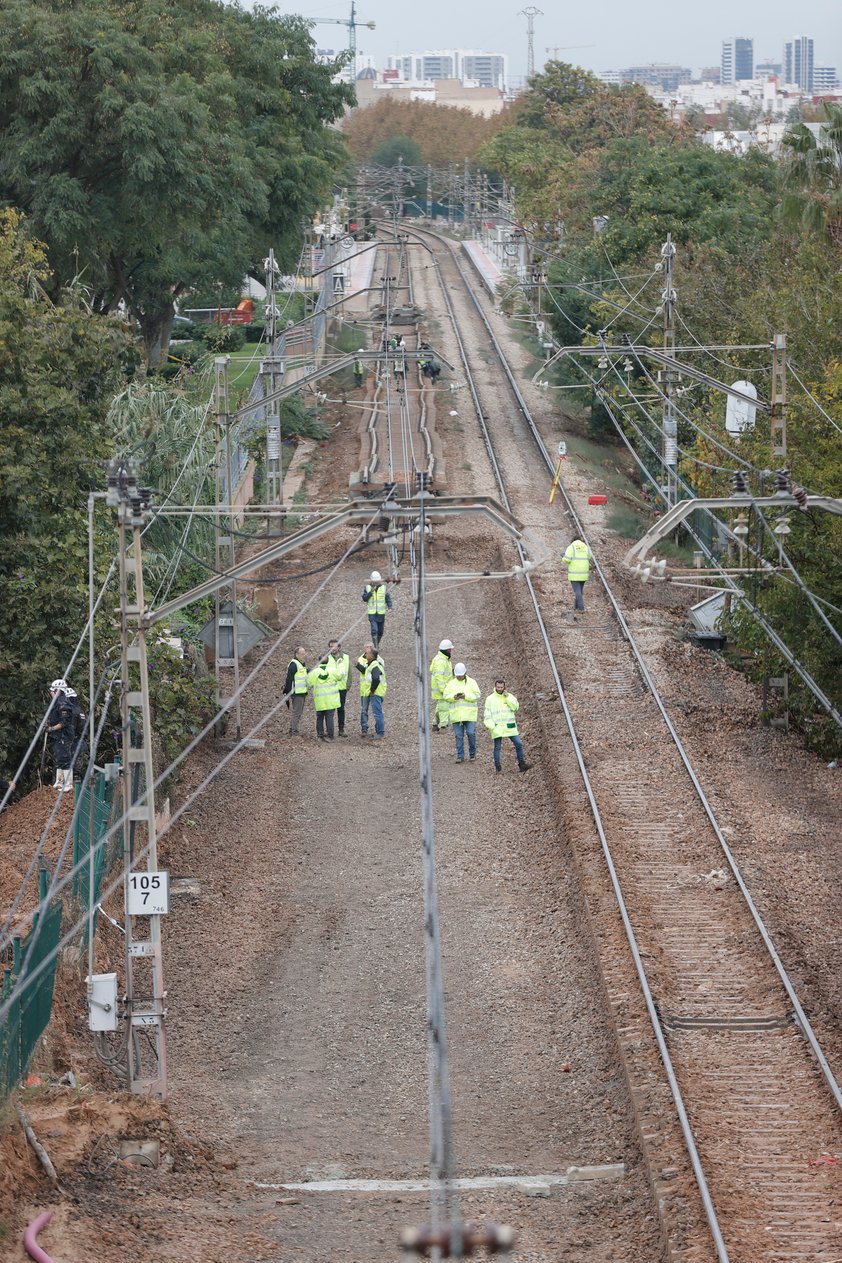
(295, 688)
(61, 727)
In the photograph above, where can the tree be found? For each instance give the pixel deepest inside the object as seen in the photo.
(60, 366)
(395, 151)
(558, 86)
(811, 176)
(157, 146)
(444, 133)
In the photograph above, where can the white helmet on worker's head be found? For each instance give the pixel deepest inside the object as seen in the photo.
(376, 576)
(460, 669)
(446, 644)
(70, 693)
(58, 686)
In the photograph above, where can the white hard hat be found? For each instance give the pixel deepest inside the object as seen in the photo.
(70, 693)
(446, 644)
(460, 669)
(376, 576)
(58, 686)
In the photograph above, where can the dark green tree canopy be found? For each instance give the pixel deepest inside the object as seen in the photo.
(160, 144)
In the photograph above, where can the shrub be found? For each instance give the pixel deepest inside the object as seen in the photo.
(220, 338)
(254, 332)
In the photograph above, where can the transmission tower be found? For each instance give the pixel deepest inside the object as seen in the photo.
(530, 13)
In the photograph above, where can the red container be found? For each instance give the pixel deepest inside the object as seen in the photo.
(597, 499)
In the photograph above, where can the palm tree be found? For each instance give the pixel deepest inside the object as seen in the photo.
(811, 176)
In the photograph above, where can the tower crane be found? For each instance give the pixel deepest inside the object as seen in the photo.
(555, 49)
(352, 25)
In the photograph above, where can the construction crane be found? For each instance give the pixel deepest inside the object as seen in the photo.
(352, 25)
(565, 48)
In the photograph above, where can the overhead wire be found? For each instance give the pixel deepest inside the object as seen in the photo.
(22, 983)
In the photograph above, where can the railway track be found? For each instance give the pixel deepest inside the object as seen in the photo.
(758, 1105)
(397, 440)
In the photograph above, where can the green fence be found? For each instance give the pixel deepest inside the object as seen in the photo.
(29, 1006)
(97, 807)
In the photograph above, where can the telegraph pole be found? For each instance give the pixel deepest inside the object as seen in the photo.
(225, 551)
(669, 379)
(778, 426)
(145, 887)
(272, 372)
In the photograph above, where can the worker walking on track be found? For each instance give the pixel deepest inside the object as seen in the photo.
(342, 668)
(577, 559)
(441, 673)
(373, 687)
(377, 601)
(462, 696)
(499, 719)
(295, 689)
(324, 682)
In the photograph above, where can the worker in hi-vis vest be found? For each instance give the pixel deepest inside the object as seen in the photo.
(499, 718)
(324, 681)
(377, 602)
(342, 666)
(462, 694)
(441, 673)
(577, 559)
(373, 687)
(295, 688)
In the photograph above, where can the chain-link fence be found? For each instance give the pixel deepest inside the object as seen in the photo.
(96, 810)
(26, 1008)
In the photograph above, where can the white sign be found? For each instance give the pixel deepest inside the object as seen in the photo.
(346, 242)
(739, 413)
(338, 283)
(148, 894)
(562, 447)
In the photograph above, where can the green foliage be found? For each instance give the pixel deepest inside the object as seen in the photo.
(158, 147)
(221, 338)
(389, 153)
(812, 176)
(59, 367)
(182, 699)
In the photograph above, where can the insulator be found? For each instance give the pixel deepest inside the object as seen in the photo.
(800, 495)
(782, 480)
(738, 482)
(625, 340)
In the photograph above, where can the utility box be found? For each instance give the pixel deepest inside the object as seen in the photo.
(102, 1002)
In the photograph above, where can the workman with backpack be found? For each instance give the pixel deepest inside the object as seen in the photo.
(373, 687)
(295, 688)
(61, 730)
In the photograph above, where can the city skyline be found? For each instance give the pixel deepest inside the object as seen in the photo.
(617, 37)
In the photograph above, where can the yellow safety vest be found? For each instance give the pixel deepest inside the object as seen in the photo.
(441, 670)
(377, 599)
(342, 669)
(499, 714)
(462, 711)
(325, 686)
(299, 683)
(576, 558)
(365, 678)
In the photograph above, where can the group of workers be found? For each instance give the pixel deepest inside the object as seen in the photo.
(329, 681)
(456, 704)
(455, 694)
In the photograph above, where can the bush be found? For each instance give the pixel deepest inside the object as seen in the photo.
(254, 332)
(184, 331)
(220, 338)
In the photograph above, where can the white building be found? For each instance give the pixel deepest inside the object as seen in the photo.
(470, 66)
(825, 79)
(798, 62)
(737, 60)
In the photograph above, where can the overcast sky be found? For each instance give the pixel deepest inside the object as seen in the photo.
(620, 33)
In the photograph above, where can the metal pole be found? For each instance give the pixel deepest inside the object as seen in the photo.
(232, 561)
(148, 1015)
(274, 459)
(669, 434)
(778, 427)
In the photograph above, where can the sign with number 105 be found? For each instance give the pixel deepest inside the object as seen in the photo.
(148, 894)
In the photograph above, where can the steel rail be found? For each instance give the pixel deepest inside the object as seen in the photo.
(650, 684)
(687, 1131)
